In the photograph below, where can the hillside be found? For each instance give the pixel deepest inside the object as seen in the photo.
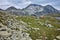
(11, 28)
(14, 27)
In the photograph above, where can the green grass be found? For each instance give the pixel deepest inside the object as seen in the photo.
(51, 33)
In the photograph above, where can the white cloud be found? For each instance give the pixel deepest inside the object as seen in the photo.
(54, 4)
(17, 3)
(23, 3)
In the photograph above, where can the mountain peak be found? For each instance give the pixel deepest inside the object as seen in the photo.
(34, 5)
(12, 8)
(49, 6)
(1, 9)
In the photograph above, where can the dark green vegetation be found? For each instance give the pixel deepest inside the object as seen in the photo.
(46, 27)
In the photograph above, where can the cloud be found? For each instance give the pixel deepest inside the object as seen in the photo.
(55, 4)
(23, 3)
(4, 4)
(17, 3)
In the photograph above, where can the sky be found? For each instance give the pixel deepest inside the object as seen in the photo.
(4, 4)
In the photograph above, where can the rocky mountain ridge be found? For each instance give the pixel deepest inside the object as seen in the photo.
(33, 9)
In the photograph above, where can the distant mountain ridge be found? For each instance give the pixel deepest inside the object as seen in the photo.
(10, 8)
(33, 9)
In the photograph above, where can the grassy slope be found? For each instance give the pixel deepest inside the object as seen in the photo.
(51, 33)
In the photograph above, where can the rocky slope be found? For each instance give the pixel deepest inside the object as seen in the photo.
(12, 29)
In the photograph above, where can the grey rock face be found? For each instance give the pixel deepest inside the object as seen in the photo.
(33, 8)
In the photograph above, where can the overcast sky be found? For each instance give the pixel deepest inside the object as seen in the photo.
(23, 3)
